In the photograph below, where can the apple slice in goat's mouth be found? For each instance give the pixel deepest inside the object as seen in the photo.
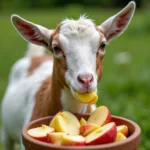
(88, 98)
(40, 133)
(66, 122)
(100, 116)
(105, 134)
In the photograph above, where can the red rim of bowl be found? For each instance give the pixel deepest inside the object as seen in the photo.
(132, 137)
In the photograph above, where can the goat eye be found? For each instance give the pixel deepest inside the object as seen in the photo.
(101, 49)
(102, 46)
(56, 49)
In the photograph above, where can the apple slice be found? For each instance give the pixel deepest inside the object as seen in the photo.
(73, 140)
(66, 122)
(100, 116)
(120, 137)
(105, 134)
(40, 133)
(56, 137)
(87, 98)
(123, 129)
(61, 138)
(88, 128)
(82, 121)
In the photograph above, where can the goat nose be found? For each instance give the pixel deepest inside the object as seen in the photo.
(85, 80)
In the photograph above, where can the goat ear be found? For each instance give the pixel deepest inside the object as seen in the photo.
(32, 32)
(116, 24)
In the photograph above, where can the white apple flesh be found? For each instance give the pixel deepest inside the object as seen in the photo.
(66, 122)
(100, 116)
(40, 133)
(61, 138)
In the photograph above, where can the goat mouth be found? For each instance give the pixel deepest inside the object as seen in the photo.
(85, 97)
(82, 91)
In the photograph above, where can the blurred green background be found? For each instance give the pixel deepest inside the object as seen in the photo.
(125, 85)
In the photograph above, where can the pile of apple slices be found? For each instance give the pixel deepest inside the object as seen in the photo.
(66, 129)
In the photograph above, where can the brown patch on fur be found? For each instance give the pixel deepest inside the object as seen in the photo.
(60, 63)
(47, 100)
(99, 57)
(61, 70)
(36, 61)
(99, 66)
(57, 29)
(99, 30)
(101, 35)
(40, 102)
(55, 34)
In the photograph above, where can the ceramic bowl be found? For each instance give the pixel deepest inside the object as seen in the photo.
(131, 143)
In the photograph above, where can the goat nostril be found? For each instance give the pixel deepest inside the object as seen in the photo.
(81, 80)
(91, 79)
(85, 80)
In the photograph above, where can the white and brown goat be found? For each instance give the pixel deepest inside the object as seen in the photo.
(42, 85)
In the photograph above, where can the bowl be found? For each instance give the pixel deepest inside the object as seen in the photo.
(131, 143)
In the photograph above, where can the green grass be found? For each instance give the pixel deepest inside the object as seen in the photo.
(123, 88)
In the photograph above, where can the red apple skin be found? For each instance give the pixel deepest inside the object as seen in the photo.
(108, 137)
(108, 119)
(76, 144)
(43, 139)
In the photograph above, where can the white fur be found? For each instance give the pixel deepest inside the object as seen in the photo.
(80, 42)
(19, 98)
(19, 70)
(70, 103)
(80, 51)
(35, 50)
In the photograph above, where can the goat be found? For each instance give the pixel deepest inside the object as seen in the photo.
(48, 84)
